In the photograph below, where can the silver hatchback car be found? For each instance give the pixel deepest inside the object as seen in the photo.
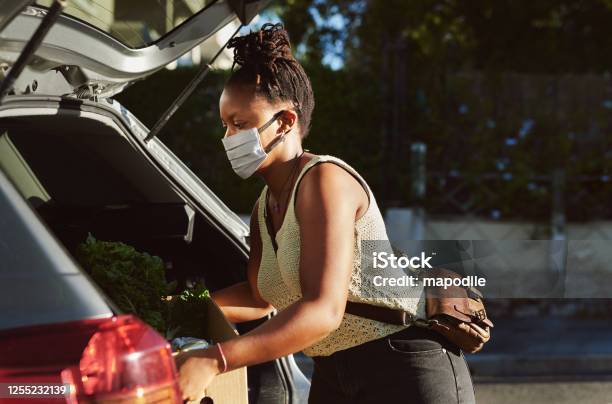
(74, 161)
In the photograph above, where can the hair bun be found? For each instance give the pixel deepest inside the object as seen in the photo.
(263, 48)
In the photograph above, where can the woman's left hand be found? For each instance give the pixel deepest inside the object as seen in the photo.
(197, 369)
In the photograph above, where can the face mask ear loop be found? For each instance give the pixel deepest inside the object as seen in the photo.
(276, 141)
(270, 122)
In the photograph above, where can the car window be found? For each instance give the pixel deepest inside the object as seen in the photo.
(135, 23)
(17, 168)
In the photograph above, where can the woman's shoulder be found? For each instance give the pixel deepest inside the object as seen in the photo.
(317, 159)
(337, 178)
(326, 157)
(338, 167)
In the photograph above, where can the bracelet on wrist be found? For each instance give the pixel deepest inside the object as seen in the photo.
(223, 358)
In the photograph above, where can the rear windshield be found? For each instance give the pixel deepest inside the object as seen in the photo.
(135, 23)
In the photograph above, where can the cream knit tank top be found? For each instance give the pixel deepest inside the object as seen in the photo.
(278, 279)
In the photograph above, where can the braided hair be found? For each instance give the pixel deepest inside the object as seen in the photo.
(266, 62)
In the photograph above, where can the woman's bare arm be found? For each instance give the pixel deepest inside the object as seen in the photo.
(327, 237)
(242, 301)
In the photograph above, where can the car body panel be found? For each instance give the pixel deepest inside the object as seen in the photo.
(91, 63)
(9, 9)
(39, 282)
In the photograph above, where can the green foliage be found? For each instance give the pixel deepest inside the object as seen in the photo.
(347, 120)
(136, 283)
(188, 312)
(418, 50)
(455, 55)
(547, 36)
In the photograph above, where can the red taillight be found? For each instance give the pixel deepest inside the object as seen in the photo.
(125, 360)
(117, 359)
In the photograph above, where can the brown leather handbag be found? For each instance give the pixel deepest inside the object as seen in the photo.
(456, 312)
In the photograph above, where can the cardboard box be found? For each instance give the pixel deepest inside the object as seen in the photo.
(230, 387)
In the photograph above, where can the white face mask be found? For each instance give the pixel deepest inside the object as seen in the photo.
(245, 151)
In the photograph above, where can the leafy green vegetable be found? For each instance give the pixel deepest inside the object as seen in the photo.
(188, 312)
(136, 282)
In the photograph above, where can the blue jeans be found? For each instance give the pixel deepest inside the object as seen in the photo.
(414, 365)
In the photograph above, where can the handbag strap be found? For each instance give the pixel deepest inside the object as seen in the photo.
(379, 313)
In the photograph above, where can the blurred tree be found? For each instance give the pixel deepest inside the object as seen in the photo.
(547, 36)
(494, 131)
(426, 43)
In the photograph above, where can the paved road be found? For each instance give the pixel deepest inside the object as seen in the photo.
(545, 392)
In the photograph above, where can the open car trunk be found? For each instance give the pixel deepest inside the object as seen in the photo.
(85, 176)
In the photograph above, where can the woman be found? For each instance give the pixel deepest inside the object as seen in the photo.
(306, 229)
